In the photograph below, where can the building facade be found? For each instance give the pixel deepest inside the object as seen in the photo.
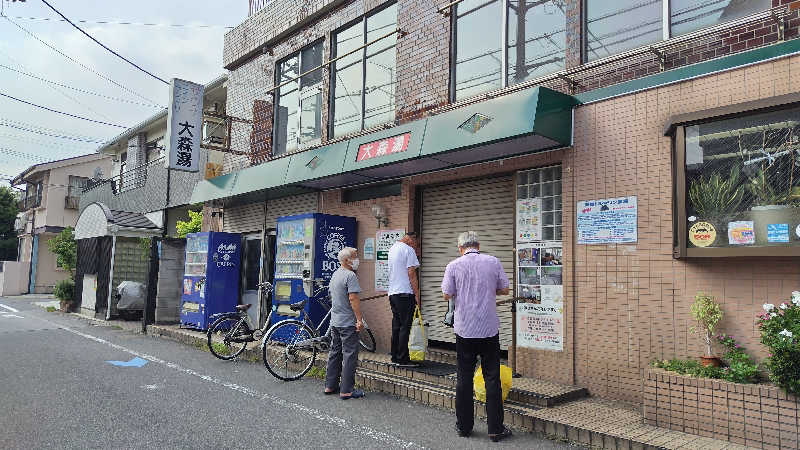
(527, 132)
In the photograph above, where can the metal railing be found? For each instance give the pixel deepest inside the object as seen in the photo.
(257, 5)
(130, 179)
(29, 202)
(71, 202)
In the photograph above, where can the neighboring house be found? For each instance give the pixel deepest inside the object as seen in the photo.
(50, 204)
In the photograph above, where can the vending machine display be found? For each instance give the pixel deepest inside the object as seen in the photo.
(307, 249)
(210, 277)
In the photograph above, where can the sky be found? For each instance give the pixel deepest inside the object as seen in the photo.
(192, 52)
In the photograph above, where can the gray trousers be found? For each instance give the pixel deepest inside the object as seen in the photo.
(342, 359)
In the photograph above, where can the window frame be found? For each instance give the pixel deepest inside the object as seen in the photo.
(302, 94)
(676, 130)
(78, 192)
(363, 62)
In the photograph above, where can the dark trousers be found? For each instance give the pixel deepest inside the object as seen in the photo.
(342, 359)
(468, 350)
(402, 315)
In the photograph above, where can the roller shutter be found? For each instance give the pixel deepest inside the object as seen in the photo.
(290, 206)
(244, 219)
(485, 206)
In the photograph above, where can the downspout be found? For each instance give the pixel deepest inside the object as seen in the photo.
(111, 273)
(572, 253)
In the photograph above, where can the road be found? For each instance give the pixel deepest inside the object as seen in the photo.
(69, 384)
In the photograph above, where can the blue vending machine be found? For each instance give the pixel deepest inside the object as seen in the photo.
(210, 277)
(307, 248)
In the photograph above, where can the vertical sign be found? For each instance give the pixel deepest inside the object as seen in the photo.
(184, 125)
(384, 239)
(540, 292)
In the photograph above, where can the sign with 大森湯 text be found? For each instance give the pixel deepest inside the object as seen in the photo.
(383, 147)
(184, 125)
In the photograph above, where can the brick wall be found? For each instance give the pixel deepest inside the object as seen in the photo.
(760, 416)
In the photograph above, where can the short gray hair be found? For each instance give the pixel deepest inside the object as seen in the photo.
(468, 239)
(347, 253)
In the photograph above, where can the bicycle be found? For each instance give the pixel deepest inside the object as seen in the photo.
(290, 347)
(230, 332)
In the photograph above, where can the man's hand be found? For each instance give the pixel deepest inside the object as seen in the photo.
(359, 326)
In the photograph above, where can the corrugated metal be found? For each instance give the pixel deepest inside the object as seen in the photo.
(485, 206)
(289, 206)
(244, 218)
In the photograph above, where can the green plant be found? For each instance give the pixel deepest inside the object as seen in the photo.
(144, 247)
(689, 367)
(193, 225)
(66, 250)
(707, 313)
(51, 309)
(65, 290)
(715, 196)
(780, 332)
(763, 192)
(741, 368)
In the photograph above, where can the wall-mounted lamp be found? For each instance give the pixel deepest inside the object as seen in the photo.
(379, 212)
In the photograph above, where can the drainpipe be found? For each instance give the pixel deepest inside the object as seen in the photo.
(111, 273)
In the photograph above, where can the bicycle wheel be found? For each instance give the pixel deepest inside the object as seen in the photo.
(228, 337)
(287, 350)
(366, 339)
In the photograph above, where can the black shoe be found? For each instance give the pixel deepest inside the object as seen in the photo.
(461, 432)
(499, 437)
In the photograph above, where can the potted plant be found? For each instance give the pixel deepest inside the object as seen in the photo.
(707, 313)
(769, 205)
(716, 198)
(66, 251)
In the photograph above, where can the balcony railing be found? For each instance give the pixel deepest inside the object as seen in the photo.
(71, 202)
(28, 203)
(257, 5)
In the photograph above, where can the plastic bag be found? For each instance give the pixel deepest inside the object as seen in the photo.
(480, 385)
(417, 341)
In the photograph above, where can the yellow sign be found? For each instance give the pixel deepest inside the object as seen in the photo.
(284, 290)
(702, 234)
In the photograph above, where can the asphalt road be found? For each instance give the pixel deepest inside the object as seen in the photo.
(59, 390)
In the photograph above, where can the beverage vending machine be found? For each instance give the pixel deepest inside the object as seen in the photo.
(306, 255)
(210, 277)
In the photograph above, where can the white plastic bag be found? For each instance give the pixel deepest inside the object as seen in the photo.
(417, 341)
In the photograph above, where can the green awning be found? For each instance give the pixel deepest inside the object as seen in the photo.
(527, 121)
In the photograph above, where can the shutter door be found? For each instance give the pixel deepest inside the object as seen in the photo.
(244, 218)
(485, 206)
(290, 206)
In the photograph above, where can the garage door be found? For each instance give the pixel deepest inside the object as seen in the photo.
(485, 206)
(251, 217)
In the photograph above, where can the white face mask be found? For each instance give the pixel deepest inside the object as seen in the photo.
(354, 264)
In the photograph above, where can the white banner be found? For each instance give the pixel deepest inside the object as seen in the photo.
(184, 125)
(540, 326)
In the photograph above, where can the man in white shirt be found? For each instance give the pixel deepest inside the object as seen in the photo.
(403, 294)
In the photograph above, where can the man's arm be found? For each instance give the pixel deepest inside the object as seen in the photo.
(412, 277)
(355, 303)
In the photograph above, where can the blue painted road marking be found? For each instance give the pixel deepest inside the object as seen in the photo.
(135, 362)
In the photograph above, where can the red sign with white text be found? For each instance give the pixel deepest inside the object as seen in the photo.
(394, 144)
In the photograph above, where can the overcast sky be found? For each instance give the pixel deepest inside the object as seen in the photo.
(192, 53)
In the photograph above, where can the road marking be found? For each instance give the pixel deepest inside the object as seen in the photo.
(277, 401)
(135, 362)
(8, 308)
(12, 315)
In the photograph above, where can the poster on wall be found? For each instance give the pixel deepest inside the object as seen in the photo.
(741, 233)
(607, 221)
(540, 327)
(369, 248)
(529, 219)
(384, 239)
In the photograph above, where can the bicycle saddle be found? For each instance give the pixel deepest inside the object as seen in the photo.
(244, 307)
(298, 306)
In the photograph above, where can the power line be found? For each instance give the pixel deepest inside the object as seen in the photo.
(38, 142)
(17, 154)
(145, 24)
(78, 89)
(47, 131)
(101, 44)
(60, 112)
(78, 62)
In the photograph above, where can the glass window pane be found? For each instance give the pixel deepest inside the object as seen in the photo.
(557, 202)
(535, 190)
(613, 27)
(381, 69)
(547, 189)
(311, 117)
(547, 174)
(533, 176)
(310, 58)
(557, 234)
(556, 188)
(522, 192)
(557, 218)
(547, 204)
(547, 234)
(547, 218)
(536, 38)
(690, 15)
(478, 58)
(347, 100)
(286, 120)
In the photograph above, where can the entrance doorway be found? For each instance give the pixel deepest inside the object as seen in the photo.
(251, 272)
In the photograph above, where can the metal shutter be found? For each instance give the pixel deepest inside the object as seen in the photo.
(485, 206)
(244, 218)
(290, 206)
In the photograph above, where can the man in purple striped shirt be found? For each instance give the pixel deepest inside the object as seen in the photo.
(474, 280)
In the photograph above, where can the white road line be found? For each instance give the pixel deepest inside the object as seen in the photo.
(8, 308)
(12, 315)
(277, 401)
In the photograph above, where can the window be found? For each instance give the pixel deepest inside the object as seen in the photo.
(363, 83)
(76, 186)
(738, 184)
(614, 27)
(298, 116)
(33, 194)
(155, 149)
(544, 183)
(531, 43)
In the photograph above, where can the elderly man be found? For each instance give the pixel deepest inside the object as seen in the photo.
(403, 294)
(473, 281)
(345, 325)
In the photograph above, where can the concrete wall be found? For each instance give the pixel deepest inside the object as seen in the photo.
(13, 278)
(170, 281)
(47, 271)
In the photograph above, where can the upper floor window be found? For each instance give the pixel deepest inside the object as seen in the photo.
(298, 112)
(155, 149)
(493, 50)
(33, 194)
(614, 27)
(363, 82)
(76, 186)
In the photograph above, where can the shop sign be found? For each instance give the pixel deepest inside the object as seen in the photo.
(608, 221)
(369, 248)
(741, 233)
(383, 147)
(702, 234)
(529, 219)
(184, 125)
(540, 326)
(778, 232)
(384, 240)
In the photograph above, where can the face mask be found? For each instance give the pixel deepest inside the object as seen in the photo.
(354, 264)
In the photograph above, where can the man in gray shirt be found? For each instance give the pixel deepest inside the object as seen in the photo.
(345, 325)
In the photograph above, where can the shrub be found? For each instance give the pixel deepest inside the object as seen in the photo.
(707, 313)
(780, 332)
(65, 290)
(65, 249)
(739, 366)
(193, 225)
